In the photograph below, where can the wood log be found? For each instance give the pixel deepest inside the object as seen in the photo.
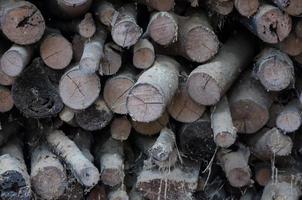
(15, 59)
(67, 115)
(263, 173)
(119, 193)
(274, 111)
(77, 90)
(48, 175)
(78, 43)
(209, 82)
(74, 190)
(35, 91)
(298, 28)
(116, 90)
(21, 22)
(95, 117)
(105, 11)
(153, 91)
(247, 8)
(55, 50)
(270, 24)
(274, 69)
(249, 104)
(112, 60)
(120, 128)
(221, 122)
(290, 118)
(280, 190)
(222, 7)
(8, 129)
(83, 140)
(5, 79)
(151, 128)
(93, 52)
(235, 165)
(111, 158)
(83, 170)
(291, 44)
(143, 54)
(14, 179)
(159, 5)
(292, 7)
(6, 100)
(97, 193)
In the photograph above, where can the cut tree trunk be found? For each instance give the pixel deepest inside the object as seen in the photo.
(292, 44)
(292, 7)
(247, 8)
(120, 128)
(6, 100)
(118, 193)
(143, 54)
(281, 190)
(112, 59)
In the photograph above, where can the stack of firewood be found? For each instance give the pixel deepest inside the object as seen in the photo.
(150, 99)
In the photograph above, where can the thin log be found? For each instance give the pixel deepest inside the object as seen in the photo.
(67, 115)
(274, 111)
(112, 60)
(120, 128)
(263, 173)
(247, 8)
(281, 190)
(105, 12)
(292, 7)
(6, 100)
(143, 54)
(119, 193)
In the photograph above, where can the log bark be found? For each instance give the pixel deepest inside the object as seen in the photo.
(112, 60)
(249, 104)
(96, 117)
(222, 7)
(290, 118)
(93, 52)
(209, 82)
(159, 5)
(143, 54)
(120, 128)
(292, 7)
(263, 173)
(116, 90)
(48, 175)
(35, 91)
(291, 45)
(15, 59)
(14, 179)
(270, 24)
(21, 22)
(274, 69)
(247, 8)
(153, 91)
(77, 90)
(222, 125)
(6, 100)
(83, 170)
(83, 140)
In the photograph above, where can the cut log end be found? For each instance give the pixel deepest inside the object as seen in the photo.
(143, 54)
(263, 175)
(111, 61)
(126, 33)
(89, 176)
(292, 45)
(112, 176)
(120, 128)
(289, 121)
(5, 79)
(247, 8)
(6, 100)
(225, 139)
(87, 26)
(239, 177)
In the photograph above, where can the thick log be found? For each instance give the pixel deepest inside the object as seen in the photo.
(291, 44)
(14, 179)
(83, 170)
(209, 82)
(78, 43)
(67, 115)
(274, 69)
(5, 79)
(35, 92)
(21, 22)
(112, 59)
(97, 193)
(153, 91)
(159, 5)
(292, 7)
(116, 91)
(95, 117)
(6, 100)
(280, 190)
(235, 165)
(151, 128)
(48, 175)
(93, 52)
(249, 104)
(263, 173)
(270, 24)
(77, 90)
(221, 122)
(15, 59)
(143, 54)
(120, 128)
(290, 118)
(83, 140)
(246, 8)
(222, 7)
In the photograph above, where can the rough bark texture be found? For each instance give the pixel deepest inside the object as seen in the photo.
(120, 128)
(112, 59)
(246, 8)
(143, 54)
(119, 193)
(78, 43)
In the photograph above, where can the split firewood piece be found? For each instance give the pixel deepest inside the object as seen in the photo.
(35, 92)
(298, 28)
(8, 129)
(247, 8)
(159, 4)
(270, 142)
(143, 54)
(118, 193)
(55, 50)
(96, 117)
(235, 165)
(83, 140)
(196, 140)
(6, 80)
(274, 111)
(249, 104)
(292, 7)
(116, 90)
(97, 193)
(274, 69)
(209, 82)
(21, 22)
(153, 91)
(15, 59)
(177, 183)
(67, 115)
(77, 90)
(48, 175)
(222, 7)
(112, 59)
(83, 170)
(221, 122)
(120, 128)
(93, 52)
(14, 179)
(292, 44)
(111, 158)
(290, 118)
(6, 100)
(78, 43)
(151, 128)
(68, 9)
(270, 24)
(182, 107)
(263, 173)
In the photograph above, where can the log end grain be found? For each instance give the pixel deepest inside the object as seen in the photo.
(263, 175)
(12, 62)
(111, 62)
(292, 45)
(5, 79)
(6, 100)
(120, 128)
(246, 8)
(126, 33)
(87, 26)
(112, 176)
(225, 139)
(289, 121)
(143, 54)
(89, 176)
(292, 7)
(239, 177)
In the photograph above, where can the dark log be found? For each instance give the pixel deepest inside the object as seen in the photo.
(9, 129)
(159, 5)
(120, 128)
(246, 8)
(78, 43)
(83, 140)
(222, 7)
(97, 193)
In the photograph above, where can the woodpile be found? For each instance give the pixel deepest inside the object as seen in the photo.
(150, 99)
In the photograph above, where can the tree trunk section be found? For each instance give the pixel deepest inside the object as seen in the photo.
(143, 54)
(246, 8)
(6, 100)
(292, 7)
(112, 60)
(120, 128)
